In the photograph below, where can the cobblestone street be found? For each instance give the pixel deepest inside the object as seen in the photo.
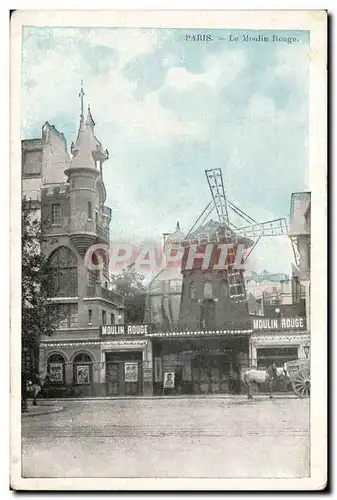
(206, 437)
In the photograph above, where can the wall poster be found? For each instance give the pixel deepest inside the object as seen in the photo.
(131, 372)
(56, 372)
(168, 379)
(83, 374)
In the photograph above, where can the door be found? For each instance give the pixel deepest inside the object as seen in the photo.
(112, 379)
(211, 375)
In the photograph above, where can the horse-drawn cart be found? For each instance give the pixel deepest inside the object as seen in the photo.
(299, 373)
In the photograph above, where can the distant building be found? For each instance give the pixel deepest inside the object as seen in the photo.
(269, 289)
(300, 235)
(284, 331)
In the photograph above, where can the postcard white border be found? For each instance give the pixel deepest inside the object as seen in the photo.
(316, 22)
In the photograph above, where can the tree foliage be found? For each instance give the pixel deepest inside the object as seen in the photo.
(130, 284)
(38, 316)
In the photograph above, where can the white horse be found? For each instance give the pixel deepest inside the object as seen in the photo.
(253, 375)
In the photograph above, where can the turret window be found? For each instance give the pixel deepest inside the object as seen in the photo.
(56, 213)
(89, 210)
(103, 317)
(68, 315)
(63, 263)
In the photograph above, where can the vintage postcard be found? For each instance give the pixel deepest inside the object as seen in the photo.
(169, 186)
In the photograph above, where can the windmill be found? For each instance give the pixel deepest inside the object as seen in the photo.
(248, 231)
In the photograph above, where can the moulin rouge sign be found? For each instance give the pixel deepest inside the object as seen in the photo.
(293, 323)
(107, 330)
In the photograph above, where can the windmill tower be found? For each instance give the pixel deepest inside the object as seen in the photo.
(214, 297)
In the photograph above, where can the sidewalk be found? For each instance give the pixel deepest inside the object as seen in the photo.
(42, 409)
(233, 397)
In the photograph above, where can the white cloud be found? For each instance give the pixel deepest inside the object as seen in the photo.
(291, 63)
(219, 71)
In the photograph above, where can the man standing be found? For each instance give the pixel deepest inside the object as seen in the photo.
(24, 380)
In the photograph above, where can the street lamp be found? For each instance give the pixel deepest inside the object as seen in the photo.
(306, 349)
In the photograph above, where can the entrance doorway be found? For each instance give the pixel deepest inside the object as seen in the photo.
(123, 373)
(212, 375)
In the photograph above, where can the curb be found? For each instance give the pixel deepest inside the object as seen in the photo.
(46, 411)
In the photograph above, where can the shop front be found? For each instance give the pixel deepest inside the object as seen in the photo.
(117, 363)
(278, 341)
(199, 362)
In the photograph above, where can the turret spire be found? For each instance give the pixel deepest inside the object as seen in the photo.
(89, 122)
(86, 135)
(81, 95)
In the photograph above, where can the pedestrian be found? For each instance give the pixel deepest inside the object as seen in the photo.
(237, 379)
(24, 396)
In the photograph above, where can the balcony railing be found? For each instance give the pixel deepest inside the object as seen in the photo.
(106, 211)
(104, 293)
(102, 232)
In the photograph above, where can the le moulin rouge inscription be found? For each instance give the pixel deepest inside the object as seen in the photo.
(296, 323)
(106, 330)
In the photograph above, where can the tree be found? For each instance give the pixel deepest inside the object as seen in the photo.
(130, 285)
(39, 317)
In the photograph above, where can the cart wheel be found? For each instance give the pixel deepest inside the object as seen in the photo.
(301, 383)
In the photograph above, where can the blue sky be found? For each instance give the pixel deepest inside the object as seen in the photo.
(167, 109)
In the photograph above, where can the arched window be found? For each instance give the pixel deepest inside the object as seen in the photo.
(208, 291)
(82, 369)
(224, 288)
(56, 369)
(64, 265)
(192, 290)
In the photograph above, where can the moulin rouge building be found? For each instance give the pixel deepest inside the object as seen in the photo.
(197, 325)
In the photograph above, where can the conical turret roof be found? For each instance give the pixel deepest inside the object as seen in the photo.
(82, 150)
